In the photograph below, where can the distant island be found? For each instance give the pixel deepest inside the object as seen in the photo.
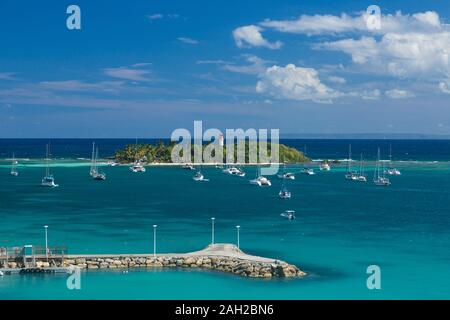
(161, 153)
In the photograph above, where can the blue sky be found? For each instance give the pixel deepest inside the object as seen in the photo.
(144, 68)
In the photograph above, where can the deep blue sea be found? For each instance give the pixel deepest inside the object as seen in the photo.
(341, 228)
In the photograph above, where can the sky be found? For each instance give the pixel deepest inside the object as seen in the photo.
(145, 68)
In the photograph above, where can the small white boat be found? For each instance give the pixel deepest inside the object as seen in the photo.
(137, 167)
(260, 180)
(94, 172)
(187, 166)
(307, 171)
(48, 180)
(288, 214)
(1, 273)
(379, 179)
(360, 176)
(392, 171)
(286, 175)
(112, 163)
(14, 171)
(350, 175)
(234, 171)
(325, 166)
(199, 176)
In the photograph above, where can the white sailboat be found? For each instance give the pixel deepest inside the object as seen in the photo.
(14, 163)
(259, 179)
(286, 175)
(392, 170)
(284, 192)
(325, 166)
(199, 176)
(288, 214)
(137, 165)
(350, 175)
(307, 171)
(48, 180)
(379, 179)
(95, 174)
(361, 176)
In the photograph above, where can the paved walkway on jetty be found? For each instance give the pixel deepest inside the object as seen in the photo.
(218, 249)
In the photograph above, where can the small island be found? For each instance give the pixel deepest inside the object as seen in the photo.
(161, 153)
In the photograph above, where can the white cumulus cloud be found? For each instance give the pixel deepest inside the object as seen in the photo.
(294, 83)
(250, 36)
(399, 94)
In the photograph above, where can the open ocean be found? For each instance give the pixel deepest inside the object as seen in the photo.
(341, 228)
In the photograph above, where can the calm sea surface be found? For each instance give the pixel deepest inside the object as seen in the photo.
(341, 227)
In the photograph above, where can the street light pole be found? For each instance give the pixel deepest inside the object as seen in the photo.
(154, 240)
(46, 243)
(212, 230)
(237, 228)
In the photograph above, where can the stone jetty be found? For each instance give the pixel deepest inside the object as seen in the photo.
(219, 257)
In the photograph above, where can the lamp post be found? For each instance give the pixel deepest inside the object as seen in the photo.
(154, 240)
(212, 229)
(238, 228)
(46, 242)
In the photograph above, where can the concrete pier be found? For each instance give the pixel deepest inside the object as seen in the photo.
(220, 257)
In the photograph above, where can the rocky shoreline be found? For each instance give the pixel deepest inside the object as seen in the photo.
(235, 262)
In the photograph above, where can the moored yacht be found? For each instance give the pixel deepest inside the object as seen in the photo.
(286, 175)
(198, 176)
(14, 163)
(187, 166)
(260, 180)
(392, 171)
(94, 172)
(360, 176)
(325, 166)
(379, 179)
(48, 180)
(284, 192)
(307, 171)
(288, 214)
(137, 167)
(350, 175)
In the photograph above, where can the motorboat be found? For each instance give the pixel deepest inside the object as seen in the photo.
(288, 214)
(307, 171)
(259, 179)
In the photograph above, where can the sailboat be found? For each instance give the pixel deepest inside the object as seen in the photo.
(259, 179)
(350, 175)
(14, 171)
(379, 179)
(199, 176)
(288, 214)
(286, 175)
(284, 192)
(137, 165)
(48, 180)
(95, 174)
(325, 166)
(360, 176)
(392, 170)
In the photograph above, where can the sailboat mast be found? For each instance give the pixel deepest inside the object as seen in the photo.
(349, 166)
(47, 154)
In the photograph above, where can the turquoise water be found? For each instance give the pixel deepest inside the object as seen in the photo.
(341, 228)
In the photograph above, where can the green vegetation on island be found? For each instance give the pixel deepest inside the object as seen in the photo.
(161, 153)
